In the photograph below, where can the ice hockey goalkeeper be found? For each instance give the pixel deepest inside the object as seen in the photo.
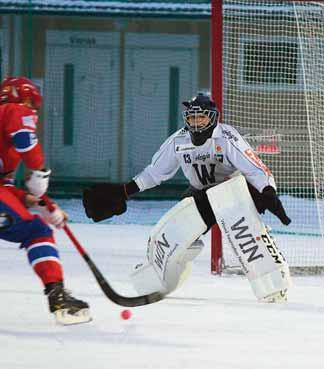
(229, 184)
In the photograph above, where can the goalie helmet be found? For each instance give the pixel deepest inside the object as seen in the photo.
(20, 90)
(200, 118)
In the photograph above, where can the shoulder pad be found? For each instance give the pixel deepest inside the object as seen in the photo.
(171, 139)
(180, 133)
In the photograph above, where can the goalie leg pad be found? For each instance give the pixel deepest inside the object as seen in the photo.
(243, 230)
(171, 248)
(145, 280)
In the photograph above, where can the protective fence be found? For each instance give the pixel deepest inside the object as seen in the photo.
(112, 89)
(104, 122)
(273, 91)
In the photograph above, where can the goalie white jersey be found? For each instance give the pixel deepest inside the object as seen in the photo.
(207, 165)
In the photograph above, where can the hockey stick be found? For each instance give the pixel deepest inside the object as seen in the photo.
(103, 283)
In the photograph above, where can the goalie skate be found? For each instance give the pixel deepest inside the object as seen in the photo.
(276, 298)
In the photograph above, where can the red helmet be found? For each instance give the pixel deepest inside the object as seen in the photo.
(18, 90)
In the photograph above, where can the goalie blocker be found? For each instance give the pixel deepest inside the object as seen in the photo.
(171, 246)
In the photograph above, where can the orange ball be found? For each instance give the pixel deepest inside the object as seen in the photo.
(125, 314)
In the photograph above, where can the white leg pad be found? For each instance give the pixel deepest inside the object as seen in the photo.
(171, 247)
(271, 283)
(243, 230)
(145, 280)
(193, 251)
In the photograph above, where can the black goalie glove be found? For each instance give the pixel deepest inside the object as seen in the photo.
(268, 199)
(103, 200)
(274, 205)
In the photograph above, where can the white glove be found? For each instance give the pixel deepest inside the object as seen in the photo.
(57, 217)
(37, 182)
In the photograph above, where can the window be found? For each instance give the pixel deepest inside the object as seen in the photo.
(269, 63)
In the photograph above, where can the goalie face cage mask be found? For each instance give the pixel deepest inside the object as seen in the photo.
(200, 124)
(198, 120)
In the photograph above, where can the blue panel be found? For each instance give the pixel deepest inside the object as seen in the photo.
(42, 252)
(24, 140)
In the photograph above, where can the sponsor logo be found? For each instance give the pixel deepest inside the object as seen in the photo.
(249, 246)
(163, 251)
(226, 234)
(29, 121)
(202, 157)
(272, 248)
(184, 148)
(257, 161)
(230, 135)
(162, 246)
(244, 242)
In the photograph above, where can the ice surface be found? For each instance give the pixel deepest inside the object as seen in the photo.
(210, 323)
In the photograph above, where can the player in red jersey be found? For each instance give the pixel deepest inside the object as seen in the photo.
(19, 102)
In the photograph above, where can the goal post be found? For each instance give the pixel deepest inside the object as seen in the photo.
(217, 94)
(268, 82)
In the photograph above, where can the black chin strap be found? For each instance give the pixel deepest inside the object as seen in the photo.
(199, 138)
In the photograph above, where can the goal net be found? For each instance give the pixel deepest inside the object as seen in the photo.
(273, 92)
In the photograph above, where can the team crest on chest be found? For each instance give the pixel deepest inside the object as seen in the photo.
(219, 153)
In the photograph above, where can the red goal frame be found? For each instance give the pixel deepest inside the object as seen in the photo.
(217, 95)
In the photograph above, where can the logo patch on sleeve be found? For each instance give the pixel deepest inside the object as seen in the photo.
(29, 121)
(257, 161)
(24, 140)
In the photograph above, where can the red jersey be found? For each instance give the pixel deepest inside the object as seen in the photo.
(18, 139)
